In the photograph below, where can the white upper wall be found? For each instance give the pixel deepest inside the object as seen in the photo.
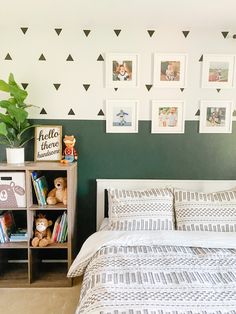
(149, 13)
(204, 19)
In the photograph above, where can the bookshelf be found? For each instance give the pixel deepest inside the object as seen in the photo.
(21, 264)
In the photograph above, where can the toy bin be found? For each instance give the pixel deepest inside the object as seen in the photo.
(12, 189)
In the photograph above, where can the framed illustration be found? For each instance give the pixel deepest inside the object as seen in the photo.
(121, 116)
(218, 71)
(168, 116)
(48, 143)
(170, 70)
(216, 116)
(121, 70)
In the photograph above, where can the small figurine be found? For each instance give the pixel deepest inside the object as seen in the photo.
(42, 233)
(69, 153)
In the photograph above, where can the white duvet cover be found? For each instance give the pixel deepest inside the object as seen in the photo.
(157, 272)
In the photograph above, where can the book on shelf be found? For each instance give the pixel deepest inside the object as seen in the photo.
(40, 187)
(59, 233)
(56, 229)
(7, 225)
(19, 235)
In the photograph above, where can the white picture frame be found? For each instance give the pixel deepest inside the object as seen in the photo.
(121, 70)
(216, 116)
(168, 116)
(122, 116)
(48, 143)
(170, 70)
(218, 71)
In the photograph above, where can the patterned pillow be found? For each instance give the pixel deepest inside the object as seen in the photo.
(150, 209)
(196, 211)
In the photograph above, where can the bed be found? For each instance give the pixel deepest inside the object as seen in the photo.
(154, 268)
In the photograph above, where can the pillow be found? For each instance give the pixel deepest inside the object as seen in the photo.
(196, 211)
(150, 209)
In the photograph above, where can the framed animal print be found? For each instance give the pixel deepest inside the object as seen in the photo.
(122, 116)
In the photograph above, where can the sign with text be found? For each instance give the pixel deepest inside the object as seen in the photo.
(48, 145)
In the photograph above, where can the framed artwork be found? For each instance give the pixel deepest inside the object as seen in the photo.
(122, 116)
(168, 116)
(48, 143)
(218, 71)
(216, 116)
(170, 70)
(122, 70)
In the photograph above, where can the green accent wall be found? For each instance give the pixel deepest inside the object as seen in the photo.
(143, 155)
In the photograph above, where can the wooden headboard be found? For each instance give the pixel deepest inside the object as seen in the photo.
(194, 185)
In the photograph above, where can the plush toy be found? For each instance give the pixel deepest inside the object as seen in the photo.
(69, 154)
(59, 193)
(42, 233)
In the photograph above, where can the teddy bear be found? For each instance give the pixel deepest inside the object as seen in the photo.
(69, 153)
(59, 193)
(42, 233)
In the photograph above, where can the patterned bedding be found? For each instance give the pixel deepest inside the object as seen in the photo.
(157, 272)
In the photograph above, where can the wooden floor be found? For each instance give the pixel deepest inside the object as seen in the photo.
(40, 300)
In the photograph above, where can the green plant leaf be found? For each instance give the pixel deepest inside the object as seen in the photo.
(18, 113)
(8, 120)
(4, 86)
(3, 129)
(18, 94)
(5, 104)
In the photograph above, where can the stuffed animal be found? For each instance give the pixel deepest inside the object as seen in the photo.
(59, 193)
(69, 154)
(42, 233)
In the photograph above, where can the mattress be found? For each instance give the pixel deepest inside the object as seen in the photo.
(157, 272)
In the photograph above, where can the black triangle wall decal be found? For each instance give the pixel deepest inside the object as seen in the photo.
(148, 87)
(69, 58)
(101, 113)
(150, 32)
(197, 113)
(86, 32)
(8, 57)
(201, 59)
(57, 85)
(24, 85)
(71, 113)
(58, 31)
(185, 33)
(182, 89)
(218, 90)
(24, 29)
(100, 58)
(234, 113)
(116, 89)
(117, 32)
(224, 34)
(42, 58)
(86, 86)
(43, 111)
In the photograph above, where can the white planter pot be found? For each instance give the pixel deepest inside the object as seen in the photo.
(15, 155)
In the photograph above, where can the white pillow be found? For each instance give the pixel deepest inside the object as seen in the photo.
(150, 209)
(205, 211)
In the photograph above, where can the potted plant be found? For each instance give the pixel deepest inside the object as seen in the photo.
(14, 122)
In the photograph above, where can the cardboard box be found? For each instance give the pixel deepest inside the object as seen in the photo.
(12, 189)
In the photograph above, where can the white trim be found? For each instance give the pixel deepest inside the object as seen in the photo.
(194, 185)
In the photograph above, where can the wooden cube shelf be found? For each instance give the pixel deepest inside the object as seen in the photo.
(22, 265)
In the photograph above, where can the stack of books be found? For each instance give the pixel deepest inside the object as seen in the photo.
(59, 233)
(7, 225)
(40, 187)
(19, 235)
